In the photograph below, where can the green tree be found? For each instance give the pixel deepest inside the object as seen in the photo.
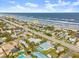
(51, 28)
(1, 24)
(48, 34)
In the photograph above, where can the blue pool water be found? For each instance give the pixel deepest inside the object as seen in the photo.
(21, 56)
(45, 46)
(24, 56)
(39, 55)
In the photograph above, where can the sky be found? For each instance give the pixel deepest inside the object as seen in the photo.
(39, 6)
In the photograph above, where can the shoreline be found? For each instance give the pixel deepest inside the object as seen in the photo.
(57, 24)
(24, 18)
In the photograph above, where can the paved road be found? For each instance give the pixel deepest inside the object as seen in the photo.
(70, 46)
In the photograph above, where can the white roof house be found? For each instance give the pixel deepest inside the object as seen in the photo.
(72, 39)
(60, 48)
(23, 42)
(65, 35)
(14, 36)
(49, 55)
(4, 38)
(34, 40)
(9, 31)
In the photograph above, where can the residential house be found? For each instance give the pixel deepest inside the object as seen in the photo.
(34, 40)
(72, 39)
(23, 43)
(60, 49)
(77, 44)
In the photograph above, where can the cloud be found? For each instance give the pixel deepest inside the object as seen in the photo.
(75, 3)
(16, 8)
(50, 7)
(31, 5)
(29, 8)
(19, 7)
(59, 1)
(12, 1)
(61, 6)
(47, 1)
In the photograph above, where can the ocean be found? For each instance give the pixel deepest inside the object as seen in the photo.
(65, 17)
(61, 20)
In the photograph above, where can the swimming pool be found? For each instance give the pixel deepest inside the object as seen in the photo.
(44, 46)
(22, 56)
(39, 55)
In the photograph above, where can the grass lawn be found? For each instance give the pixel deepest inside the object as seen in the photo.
(75, 55)
(51, 51)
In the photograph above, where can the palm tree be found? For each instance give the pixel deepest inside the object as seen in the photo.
(32, 46)
(10, 55)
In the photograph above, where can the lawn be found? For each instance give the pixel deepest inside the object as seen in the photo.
(51, 51)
